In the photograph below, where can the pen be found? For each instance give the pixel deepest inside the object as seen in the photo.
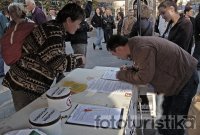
(124, 67)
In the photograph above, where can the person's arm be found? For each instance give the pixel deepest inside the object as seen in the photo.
(145, 63)
(74, 61)
(52, 52)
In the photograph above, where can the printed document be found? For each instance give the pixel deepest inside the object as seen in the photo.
(94, 115)
(108, 86)
(110, 75)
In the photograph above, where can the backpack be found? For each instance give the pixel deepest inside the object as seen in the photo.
(12, 41)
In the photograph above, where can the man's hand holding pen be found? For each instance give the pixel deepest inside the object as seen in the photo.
(126, 68)
(123, 67)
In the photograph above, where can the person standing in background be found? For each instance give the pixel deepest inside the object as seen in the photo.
(79, 39)
(108, 24)
(120, 18)
(103, 10)
(179, 29)
(188, 12)
(196, 53)
(145, 25)
(38, 15)
(128, 23)
(3, 26)
(97, 23)
(88, 8)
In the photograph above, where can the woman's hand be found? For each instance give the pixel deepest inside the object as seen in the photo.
(80, 60)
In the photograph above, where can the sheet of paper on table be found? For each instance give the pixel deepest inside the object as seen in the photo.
(108, 86)
(25, 132)
(110, 75)
(94, 115)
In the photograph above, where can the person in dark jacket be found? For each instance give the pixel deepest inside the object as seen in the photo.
(88, 8)
(120, 18)
(145, 25)
(79, 39)
(108, 24)
(196, 53)
(188, 13)
(179, 29)
(98, 25)
(38, 15)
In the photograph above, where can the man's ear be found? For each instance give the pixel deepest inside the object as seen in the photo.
(172, 8)
(119, 48)
(68, 19)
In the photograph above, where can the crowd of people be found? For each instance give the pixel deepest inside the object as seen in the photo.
(165, 61)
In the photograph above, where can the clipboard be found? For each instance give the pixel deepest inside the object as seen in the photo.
(96, 116)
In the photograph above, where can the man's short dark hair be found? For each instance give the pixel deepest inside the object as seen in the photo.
(116, 41)
(72, 10)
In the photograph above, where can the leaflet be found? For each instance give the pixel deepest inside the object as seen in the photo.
(108, 86)
(110, 75)
(94, 115)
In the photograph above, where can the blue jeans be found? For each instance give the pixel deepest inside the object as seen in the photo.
(99, 36)
(178, 106)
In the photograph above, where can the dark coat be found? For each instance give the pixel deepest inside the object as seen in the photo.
(88, 9)
(38, 16)
(108, 22)
(197, 28)
(119, 26)
(181, 33)
(81, 34)
(146, 28)
(97, 21)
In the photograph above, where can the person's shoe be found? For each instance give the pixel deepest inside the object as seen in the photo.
(104, 42)
(94, 46)
(100, 48)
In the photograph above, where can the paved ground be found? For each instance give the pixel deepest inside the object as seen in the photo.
(94, 58)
